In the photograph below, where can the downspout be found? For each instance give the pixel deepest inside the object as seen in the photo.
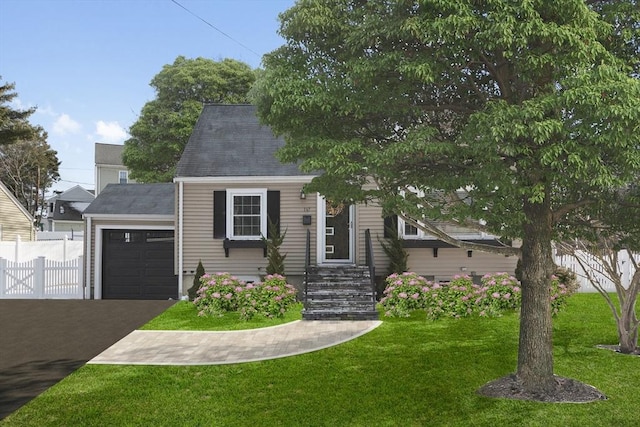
(180, 229)
(87, 261)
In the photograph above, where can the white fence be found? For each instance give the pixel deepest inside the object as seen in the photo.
(59, 235)
(41, 278)
(625, 268)
(56, 250)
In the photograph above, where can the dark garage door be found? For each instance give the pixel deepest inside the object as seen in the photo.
(138, 264)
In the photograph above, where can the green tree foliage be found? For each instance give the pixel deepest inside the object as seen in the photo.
(161, 132)
(28, 168)
(533, 108)
(14, 123)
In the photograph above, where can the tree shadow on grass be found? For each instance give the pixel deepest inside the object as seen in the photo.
(21, 383)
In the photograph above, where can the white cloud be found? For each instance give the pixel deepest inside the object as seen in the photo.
(110, 132)
(64, 125)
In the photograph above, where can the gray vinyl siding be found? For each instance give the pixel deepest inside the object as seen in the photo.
(199, 244)
(451, 261)
(370, 217)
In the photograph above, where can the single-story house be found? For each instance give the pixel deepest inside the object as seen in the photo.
(228, 183)
(15, 220)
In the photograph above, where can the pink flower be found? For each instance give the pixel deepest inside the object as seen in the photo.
(402, 295)
(228, 296)
(415, 296)
(495, 295)
(216, 295)
(516, 289)
(506, 296)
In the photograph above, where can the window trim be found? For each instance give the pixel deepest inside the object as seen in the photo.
(401, 231)
(120, 177)
(260, 192)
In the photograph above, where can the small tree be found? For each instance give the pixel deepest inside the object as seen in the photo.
(193, 290)
(607, 259)
(275, 259)
(398, 256)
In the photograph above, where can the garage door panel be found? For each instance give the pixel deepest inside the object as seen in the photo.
(139, 265)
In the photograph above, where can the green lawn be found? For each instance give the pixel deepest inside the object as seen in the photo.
(407, 372)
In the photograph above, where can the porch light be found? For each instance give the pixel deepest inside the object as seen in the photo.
(302, 194)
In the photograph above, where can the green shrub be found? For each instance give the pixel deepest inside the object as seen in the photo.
(193, 290)
(275, 259)
(398, 255)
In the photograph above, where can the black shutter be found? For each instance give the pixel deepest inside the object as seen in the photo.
(390, 225)
(219, 214)
(273, 210)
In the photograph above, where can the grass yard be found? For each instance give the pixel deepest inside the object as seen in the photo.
(407, 372)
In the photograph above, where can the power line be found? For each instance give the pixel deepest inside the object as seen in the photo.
(217, 29)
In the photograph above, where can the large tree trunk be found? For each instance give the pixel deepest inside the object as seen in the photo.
(535, 352)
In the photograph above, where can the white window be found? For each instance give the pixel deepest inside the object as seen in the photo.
(246, 214)
(409, 231)
(123, 177)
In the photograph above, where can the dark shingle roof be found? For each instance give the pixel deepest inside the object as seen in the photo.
(134, 199)
(228, 140)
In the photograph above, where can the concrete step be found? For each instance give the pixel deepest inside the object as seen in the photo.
(334, 315)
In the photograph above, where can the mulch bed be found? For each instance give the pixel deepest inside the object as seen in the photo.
(43, 341)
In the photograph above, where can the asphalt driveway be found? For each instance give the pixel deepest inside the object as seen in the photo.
(42, 341)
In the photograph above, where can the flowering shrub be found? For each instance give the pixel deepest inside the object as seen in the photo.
(222, 292)
(270, 298)
(497, 293)
(404, 293)
(217, 294)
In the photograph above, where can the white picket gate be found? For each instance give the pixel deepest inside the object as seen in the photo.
(624, 267)
(41, 278)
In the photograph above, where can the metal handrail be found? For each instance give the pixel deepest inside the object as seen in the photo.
(370, 260)
(307, 263)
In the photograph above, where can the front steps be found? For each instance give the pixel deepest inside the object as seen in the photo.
(339, 293)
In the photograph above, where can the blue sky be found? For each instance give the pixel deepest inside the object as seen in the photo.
(86, 64)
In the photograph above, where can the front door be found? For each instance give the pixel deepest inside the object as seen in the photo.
(336, 233)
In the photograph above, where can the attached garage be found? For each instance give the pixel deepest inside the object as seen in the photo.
(130, 245)
(138, 264)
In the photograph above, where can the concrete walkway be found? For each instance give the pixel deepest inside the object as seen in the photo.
(214, 348)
